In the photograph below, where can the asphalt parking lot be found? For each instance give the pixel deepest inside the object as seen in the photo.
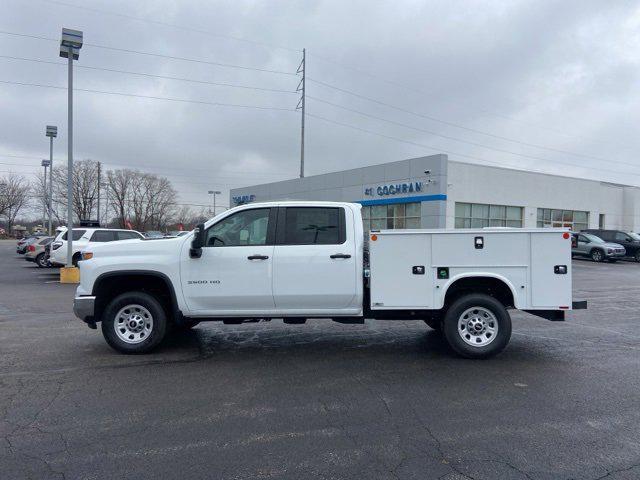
(384, 400)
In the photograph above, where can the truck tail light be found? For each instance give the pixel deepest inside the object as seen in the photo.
(32, 248)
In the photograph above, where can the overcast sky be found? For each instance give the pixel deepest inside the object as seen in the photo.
(562, 77)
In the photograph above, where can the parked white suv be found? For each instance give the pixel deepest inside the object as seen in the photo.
(84, 237)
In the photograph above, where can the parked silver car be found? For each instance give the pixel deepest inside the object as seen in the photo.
(588, 245)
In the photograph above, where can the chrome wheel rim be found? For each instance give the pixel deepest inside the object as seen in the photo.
(133, 324)
(597, 256)
(478, 326)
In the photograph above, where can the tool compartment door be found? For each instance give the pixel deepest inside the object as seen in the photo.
(550, 289)
(401, 273)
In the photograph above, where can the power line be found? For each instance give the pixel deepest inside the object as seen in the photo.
(456, 125)
(153, 54)
(448, 137)
(437, 149)
(150, 97)
(484, 111)
(167, 24)
(144, 74)
(154, 167)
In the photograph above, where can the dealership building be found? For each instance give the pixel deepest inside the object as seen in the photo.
(433, 192)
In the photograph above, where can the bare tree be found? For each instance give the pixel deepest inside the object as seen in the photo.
(143, 200)
(14, 196)
(119, 184)
(85, 189)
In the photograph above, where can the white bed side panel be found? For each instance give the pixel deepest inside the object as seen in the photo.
(550, 290)
(393, 283)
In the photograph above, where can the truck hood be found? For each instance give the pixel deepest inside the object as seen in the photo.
(136, 247)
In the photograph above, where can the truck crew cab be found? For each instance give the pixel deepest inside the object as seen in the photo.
(297, 260)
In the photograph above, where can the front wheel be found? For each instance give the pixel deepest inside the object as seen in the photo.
(637, 256)
(477, 326)
(597, 255)
(134, 322)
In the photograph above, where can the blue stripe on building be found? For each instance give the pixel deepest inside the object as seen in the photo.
(389, 201)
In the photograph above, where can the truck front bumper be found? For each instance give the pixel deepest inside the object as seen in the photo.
(83, 308)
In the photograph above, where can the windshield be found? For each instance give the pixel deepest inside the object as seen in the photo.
(593, 238)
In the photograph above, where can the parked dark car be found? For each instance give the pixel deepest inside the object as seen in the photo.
(629, 240)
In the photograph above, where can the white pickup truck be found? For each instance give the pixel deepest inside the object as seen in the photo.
(298, 260)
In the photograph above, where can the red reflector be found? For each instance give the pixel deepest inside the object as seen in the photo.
(565, 235)
(563, 308)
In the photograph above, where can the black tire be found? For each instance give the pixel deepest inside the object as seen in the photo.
(154, 336)
(501, 320)
(637, 256)
(75, 259)
(597, 255)
(41, 260)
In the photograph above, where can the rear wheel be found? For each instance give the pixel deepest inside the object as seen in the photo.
(41, 261)
(477, 326)
(597, 255)
(134, 322)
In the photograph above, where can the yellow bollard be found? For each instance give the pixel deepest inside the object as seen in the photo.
(69, 275)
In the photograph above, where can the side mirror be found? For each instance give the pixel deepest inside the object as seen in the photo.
(198, 242)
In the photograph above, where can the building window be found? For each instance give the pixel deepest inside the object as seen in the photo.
(398, 215)
(479, 215)
(601, 221)
(574, 219)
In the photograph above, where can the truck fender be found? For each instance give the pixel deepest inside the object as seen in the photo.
(141, 273)
(440, 301)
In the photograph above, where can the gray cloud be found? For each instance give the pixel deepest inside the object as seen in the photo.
(559, 74)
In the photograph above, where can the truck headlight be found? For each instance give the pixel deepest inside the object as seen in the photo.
(610, 250)
(87, 255)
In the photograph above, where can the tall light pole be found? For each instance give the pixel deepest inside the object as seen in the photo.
(52, 132)
(70, 46)
(45, 164)
(214, 193)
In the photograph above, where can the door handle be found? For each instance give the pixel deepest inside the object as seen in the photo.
(258, 257)
(340, 255)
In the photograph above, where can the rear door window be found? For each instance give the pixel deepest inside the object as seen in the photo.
(122, 235)
(103, 236)
(313, 226)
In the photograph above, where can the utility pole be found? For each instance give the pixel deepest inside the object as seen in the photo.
(99, 194)
(301, 89)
